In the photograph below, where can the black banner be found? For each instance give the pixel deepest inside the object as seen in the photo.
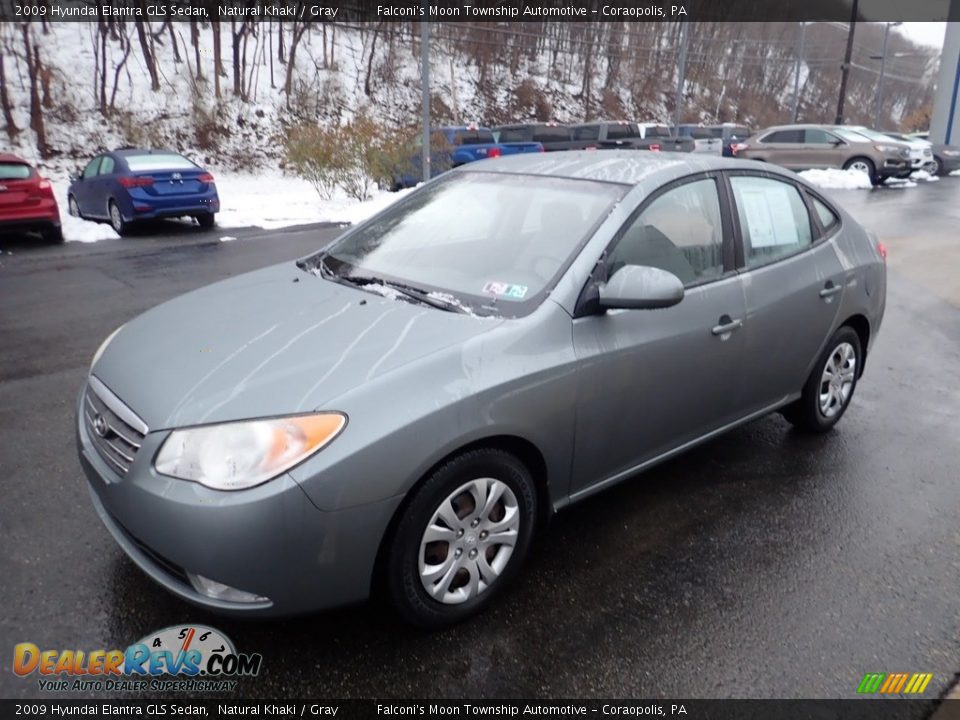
(477, 10)
(866, 709)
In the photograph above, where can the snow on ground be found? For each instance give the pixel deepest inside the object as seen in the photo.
(268, 200)
(955, 173)
(837, 179)
(271, 200)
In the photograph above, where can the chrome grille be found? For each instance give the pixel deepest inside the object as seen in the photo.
(114, 429)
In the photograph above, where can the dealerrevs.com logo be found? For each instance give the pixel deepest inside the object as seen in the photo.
(191, 658)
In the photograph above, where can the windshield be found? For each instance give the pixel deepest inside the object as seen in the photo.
(850, 135)
(494, 242)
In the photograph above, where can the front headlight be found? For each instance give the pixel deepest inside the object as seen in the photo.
(239, 455)
(103, 346)
(889, 148)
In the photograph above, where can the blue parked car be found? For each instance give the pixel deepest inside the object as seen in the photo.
(457, 145)
(128, 185)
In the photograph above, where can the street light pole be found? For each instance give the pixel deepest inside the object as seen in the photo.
(796, 73)
(681, 75)
(878, 100)
(425, 91)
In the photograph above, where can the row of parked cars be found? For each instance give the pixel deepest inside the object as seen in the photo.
(121, 188)
(880, 155)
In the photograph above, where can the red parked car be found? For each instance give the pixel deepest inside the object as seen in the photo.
(27, 203)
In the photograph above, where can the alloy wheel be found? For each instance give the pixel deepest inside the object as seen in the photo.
(72, 206)
(116, 220)
(836, 383)
(469, 540)
(860, 166)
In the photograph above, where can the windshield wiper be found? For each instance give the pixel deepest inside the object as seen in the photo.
(409, 291)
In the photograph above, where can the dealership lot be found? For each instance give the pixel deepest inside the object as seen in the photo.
(765, 563)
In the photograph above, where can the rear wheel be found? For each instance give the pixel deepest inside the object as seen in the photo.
(864, 165)
(829, 389)
(936, 166)
(207, 221)
(73, 207)
(53, 235)
(461, 538)
(119, 225)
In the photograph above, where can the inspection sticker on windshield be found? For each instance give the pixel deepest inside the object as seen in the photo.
(506, 290)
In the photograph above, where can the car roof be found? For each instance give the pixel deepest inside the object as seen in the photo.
(124, 152)
(9, 158)
(617, 166)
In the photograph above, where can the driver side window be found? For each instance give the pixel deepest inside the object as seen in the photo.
(680, 232)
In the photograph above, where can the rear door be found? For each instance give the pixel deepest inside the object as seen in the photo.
(793, 279)
(652, 380)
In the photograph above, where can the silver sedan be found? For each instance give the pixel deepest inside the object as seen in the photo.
(402, 411)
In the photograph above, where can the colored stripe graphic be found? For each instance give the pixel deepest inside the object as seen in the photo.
(894, 683)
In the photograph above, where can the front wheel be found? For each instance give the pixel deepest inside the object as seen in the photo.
(864, 165)
(119, 225)
(461, 538)
(829, 389)
(936, 166)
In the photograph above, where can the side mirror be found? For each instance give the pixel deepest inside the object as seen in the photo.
(642, 288)
(76, 175)
(836, 142)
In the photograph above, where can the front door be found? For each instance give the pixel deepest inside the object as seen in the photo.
(652, 380)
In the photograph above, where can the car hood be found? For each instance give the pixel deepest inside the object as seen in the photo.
(276, 341)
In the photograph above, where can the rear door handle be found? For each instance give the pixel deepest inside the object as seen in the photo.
(829, 290)
(726, 325)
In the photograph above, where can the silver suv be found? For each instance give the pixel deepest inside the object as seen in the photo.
(804, 147)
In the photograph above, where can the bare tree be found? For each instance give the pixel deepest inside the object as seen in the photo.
(148, 58)
(9, 124)
(32, 55)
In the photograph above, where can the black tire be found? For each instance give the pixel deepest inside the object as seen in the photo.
(937, 166)
(207, 221)
(807, 413)
(119, 225)
(73, 207)
(53, 235)
(403, 583)
(868, 164)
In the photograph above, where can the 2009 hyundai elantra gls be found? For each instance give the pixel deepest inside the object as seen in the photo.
(405, 408)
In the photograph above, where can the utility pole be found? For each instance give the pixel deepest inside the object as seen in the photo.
(425, 89)
(681, 75)
(796, 72)
(846, 64)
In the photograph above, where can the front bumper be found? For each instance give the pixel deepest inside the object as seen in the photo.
(269, 540)
(894, 167)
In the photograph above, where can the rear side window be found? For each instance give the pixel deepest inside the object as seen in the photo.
(14, 171)
(773, 219)
(159, 161)
(816, 135)
(474, 137)
(514, 135)
(828, 218)
(698, 133)
(551, 134)
(657, 131)
(586, 132)
(106, 166)
(783, 136)
(680, 232)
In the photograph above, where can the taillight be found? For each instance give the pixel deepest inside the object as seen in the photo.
(494, 152)
(882, 249)
(43, 188)
(737, 147)
(206, 178)
(542, 149)
(655, 148)
(131, 182)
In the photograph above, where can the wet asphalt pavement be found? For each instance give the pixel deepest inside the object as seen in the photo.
(763, 564)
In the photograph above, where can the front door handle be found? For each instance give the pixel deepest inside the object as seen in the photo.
(727, 325)
(829, 290)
